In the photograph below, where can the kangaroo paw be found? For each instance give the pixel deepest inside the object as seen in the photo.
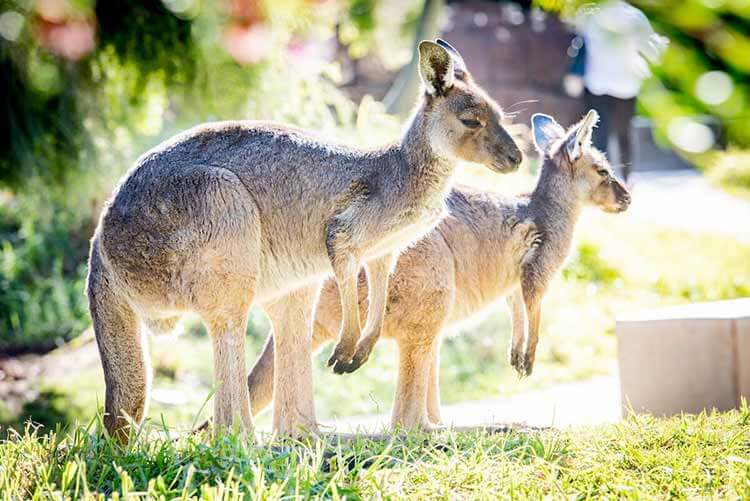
(341, 356)
(348, 367)
(517, 362)
(361, 354)
(528, 364)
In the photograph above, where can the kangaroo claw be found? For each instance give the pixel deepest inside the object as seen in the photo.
(348, 367)
(517, 362)
(341, 355)
(343, 368)
(528, 364)
(361, 355)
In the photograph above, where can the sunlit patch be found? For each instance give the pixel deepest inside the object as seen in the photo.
(183, 8)
(151, 120)
(690, 136)
(168, 396)
(714, 87)
(11, 24)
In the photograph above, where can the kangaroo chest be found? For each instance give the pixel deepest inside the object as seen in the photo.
(407, 229)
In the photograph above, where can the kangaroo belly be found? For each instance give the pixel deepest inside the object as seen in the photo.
(280, 275)
(471, 308)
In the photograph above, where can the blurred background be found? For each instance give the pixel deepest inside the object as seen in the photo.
(88, 86)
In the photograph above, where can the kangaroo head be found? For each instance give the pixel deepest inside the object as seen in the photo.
(462, 121)
(573, 155)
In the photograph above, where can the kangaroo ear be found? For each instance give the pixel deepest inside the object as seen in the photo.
(435, 68)
(579, 139)
(546, 132)
(458, 60)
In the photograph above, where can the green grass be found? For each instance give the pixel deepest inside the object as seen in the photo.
(707, 455)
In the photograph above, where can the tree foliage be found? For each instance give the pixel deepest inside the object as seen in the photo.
(79, 76)
(705, 72)
(51, 79)
(706, 69)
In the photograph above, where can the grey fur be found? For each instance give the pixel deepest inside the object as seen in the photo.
(234, 212)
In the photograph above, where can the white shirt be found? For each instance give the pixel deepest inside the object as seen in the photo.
(618, 37)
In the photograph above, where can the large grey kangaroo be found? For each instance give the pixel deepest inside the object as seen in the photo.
(230, 213)
(489, 248)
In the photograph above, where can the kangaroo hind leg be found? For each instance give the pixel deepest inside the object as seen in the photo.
(292, 319)
(412, 386)
(223, 294)
(223, 275)
(232, 400)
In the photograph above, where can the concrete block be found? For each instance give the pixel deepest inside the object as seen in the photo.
(743, 356)
(685, 358)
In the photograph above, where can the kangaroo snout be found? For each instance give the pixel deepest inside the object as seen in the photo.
(515, 157)
(508, 158)
(623, 199)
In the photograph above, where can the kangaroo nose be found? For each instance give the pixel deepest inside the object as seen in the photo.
(515, 155)
(625, 199)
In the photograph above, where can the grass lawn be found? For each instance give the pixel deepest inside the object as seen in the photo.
(642, 457)
(620, 263)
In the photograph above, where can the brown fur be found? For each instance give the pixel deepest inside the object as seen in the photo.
(489, 248)
(235, 212)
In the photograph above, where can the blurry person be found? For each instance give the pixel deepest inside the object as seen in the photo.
(609, 64)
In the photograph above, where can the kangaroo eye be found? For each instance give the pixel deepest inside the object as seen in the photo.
(471, 123)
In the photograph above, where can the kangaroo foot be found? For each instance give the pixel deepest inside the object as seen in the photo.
(416, 425)
(489, 429)
(361, 354)
(434, 416)
(430, 427)
(297, 427)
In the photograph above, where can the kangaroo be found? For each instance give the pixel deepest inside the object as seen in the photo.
(230, 213)
(489, 248)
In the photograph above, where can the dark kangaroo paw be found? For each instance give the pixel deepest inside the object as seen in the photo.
(517, 362)
(361, 355)
(341, 355)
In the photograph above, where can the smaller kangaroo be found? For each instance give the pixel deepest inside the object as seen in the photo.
(489, 248)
